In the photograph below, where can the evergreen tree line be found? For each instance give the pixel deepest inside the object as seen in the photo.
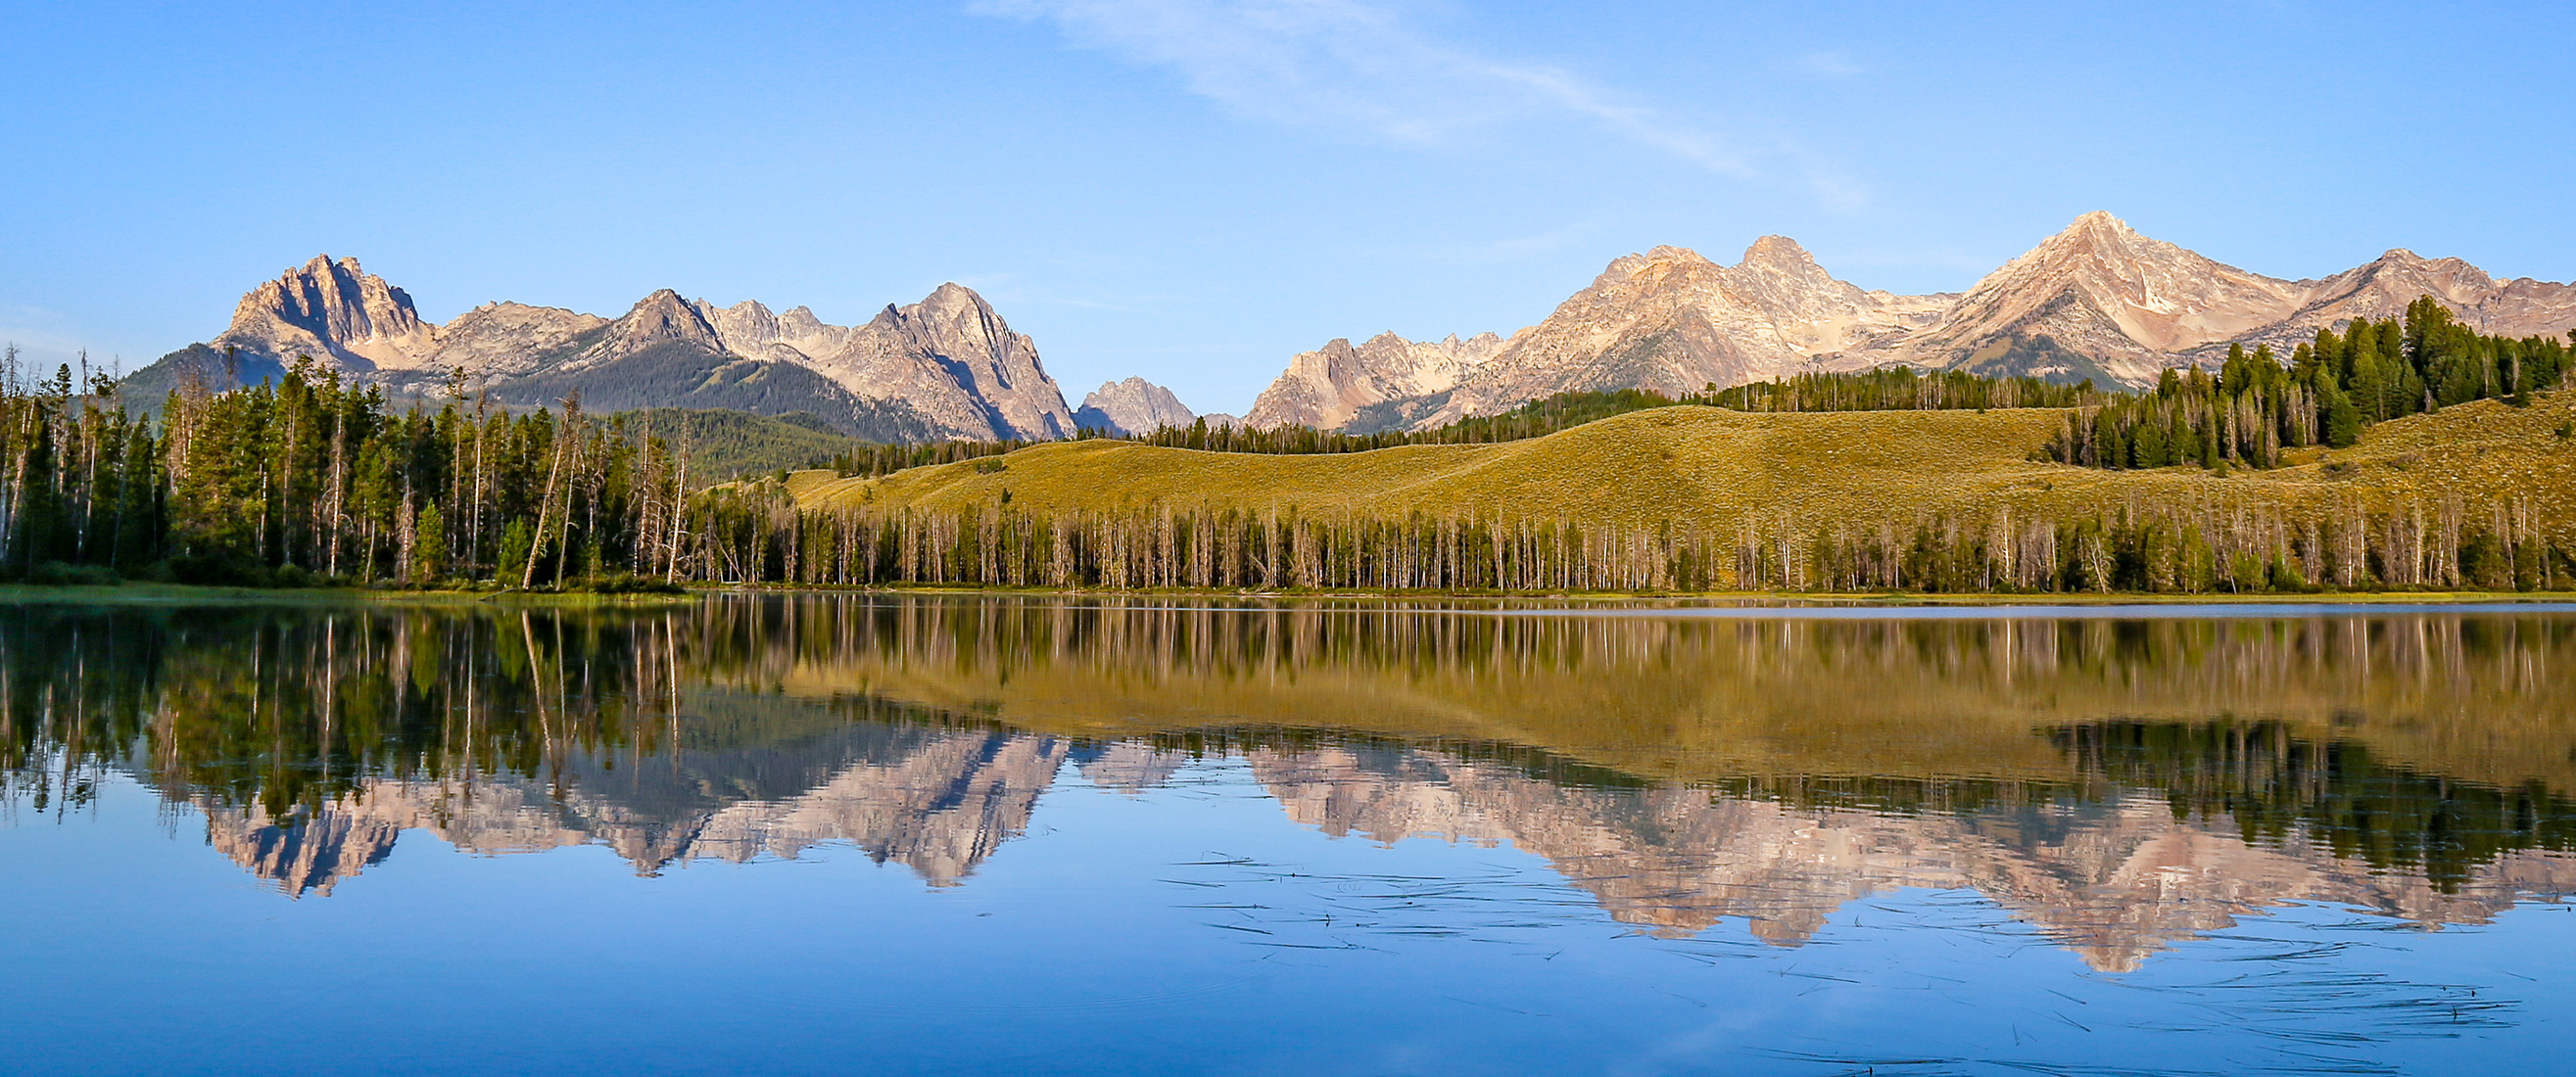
(872, 461)
(1538, 418)
(758, 536)
(2257, 406)
(1884, 389)
(311, 477)
(2210, 546)
(1898, 389)
(1888, 389)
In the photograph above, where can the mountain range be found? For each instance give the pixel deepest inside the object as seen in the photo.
(945, 367)
(2097, 300)
(2116, 882)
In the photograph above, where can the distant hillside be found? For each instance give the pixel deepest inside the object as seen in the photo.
(1705, 496)
(727, 444)
(1716, 468)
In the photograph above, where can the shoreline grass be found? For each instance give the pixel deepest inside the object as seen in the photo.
(140, 593)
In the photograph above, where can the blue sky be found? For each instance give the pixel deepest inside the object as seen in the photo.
(1193, 190)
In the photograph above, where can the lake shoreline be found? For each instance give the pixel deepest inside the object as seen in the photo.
(140, 593)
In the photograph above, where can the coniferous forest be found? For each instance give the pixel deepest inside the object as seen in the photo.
(2257, 406)
(313, 479)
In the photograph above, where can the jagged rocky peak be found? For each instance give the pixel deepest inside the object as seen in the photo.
(2448, 279)
(2109, 301)
(955, 327)
(947, 367)
(1781, 256)
(1779, 251)
(744, 323)
(799, 326)
(1133, 406)
(1663, 258)
(748, 328)
(332, 311)
(662, 317)
(1672, 321)
(1328, 387)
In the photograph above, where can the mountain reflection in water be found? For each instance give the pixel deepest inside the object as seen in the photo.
(2120, 785)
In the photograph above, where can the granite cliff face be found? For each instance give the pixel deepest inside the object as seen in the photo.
(2382, 289)
(1672, 321)
(2097, 300)
(332, 311)
(2116, 305)
(1133, 406)
(1330, 387)
(946, 367)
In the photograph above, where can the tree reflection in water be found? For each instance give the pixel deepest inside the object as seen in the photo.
(2118, 784)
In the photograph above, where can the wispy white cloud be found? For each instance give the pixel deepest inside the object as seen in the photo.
(1357, 64)
(1831, 64)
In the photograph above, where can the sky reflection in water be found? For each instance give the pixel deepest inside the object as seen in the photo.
(838, 834)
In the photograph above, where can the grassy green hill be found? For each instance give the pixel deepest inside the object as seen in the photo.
(1720, 470)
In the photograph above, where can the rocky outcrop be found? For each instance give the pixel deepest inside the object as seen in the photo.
(2111, 302)
(500, 341)
(1331, 386)
(946, 367)
(2382, 289)
(1133, 406)
(335, 312)
(1674, 322)
(953, 360)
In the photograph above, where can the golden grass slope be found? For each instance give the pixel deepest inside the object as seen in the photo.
(1712, 468)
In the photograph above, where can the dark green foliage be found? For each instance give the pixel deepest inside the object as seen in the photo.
(2329, 390)
(58, 574)
(517, 543)
(2275, 785)
(1899, 389)
(625, 583)
(723, 445)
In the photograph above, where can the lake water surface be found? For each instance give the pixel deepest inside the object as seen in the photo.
(869, 834)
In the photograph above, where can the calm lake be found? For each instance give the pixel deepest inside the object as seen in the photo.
(972, 835)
